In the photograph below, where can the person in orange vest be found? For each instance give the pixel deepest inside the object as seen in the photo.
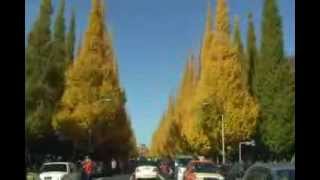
(87, 167)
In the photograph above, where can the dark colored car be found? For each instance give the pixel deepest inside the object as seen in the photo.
(101, 170)
(225, 169)
(270, 172)
(236, 171)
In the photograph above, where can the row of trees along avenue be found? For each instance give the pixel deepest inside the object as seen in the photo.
(251, 89)
(76, 96)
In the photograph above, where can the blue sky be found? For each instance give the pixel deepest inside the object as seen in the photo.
(152, 40)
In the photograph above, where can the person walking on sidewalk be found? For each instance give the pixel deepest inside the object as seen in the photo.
(87, 166)
(113, 166)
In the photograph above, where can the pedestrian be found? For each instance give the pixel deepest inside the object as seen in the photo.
(87, 167)
(113, 165)
(121, 166)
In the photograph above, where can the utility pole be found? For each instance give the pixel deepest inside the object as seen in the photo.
(222, 136)
(240, 160)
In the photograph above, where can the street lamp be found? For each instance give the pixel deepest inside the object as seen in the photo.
(248, 143)
(222, 136)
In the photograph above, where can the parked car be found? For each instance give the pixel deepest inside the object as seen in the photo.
(236, 171)
(59, 170)
(225, 169)
(202, 170)
(180, 165)
(285, 171)
(146, 170)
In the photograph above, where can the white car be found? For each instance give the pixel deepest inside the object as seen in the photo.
(180, 172)
(59, 171)
(146, 170)
(214, 176)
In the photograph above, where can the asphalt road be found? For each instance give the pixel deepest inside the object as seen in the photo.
(120, 177)
(116, 177)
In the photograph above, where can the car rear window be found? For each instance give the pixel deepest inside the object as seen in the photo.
(183, 162)
(54, 167)
(205, 168)
(147, 163)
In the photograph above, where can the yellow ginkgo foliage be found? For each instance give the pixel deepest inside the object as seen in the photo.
(165, 138)
(169, 139)
(221, 89)
(203, 98)
(207, 93)
(92, 94)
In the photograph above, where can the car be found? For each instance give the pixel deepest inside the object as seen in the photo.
(236, 171)
(180, 166)
(132, 163)
(225, 169)
(59, 171)
(270, 171)
(202, 170)
(146, 170)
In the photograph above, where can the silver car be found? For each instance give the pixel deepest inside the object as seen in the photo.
(272, 171)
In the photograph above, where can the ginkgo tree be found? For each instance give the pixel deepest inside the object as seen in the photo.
(38, 108)
(92, 94)
(170, 138)
(223, 90)
(218, 90)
